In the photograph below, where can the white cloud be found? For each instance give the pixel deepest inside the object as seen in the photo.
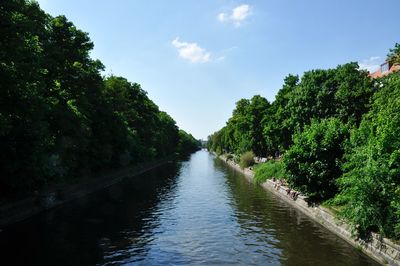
(237, 16)
(371, 64)
(240, 13)
(191, 51)
(221, 17)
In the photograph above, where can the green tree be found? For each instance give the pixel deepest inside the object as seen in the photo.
(168, 136)
(369, 189)
(25, 139)
(215, 141)
(258, 109)
(394, 54)
(141, 116)
(277, 132)
(187, 143)
(313, 162)
(243, 131)
(237, 133)
(343, 92)
(353, 93)
(60, 120)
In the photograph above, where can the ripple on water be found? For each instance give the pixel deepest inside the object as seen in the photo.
(198, 213)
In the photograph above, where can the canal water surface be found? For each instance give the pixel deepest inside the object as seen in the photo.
(197, 212)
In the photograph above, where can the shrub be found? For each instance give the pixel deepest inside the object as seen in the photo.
(247, 159)
(229, 157)
(269, 169)
(236, 159)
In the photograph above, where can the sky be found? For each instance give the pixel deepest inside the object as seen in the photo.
(196, 59)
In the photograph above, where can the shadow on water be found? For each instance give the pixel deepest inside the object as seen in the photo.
(197, 212)
(86, 231)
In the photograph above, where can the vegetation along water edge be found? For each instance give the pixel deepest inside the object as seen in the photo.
(61, 121)
(383, 250)
(332, 135)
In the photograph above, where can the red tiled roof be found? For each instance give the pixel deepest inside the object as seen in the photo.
(378, 73)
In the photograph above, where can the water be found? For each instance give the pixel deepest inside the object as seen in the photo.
(199, 212)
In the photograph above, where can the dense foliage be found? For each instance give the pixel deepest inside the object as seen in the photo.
(394, 54)
(313, 162)
(243, 132)
(269, 169)
(370, 187)
(264, 128)
(187, 143)
(59, 118)
(246, 159)
(338, 132)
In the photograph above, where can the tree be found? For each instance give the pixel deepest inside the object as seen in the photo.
(394, 54)
(243, 131)
(141, 116)
(370, 186)
(343, 92)
(313, 162)
(277, 132)
(25, 139)
(216, 141)
(187, 143)
(168, 136)
(60, 120)
(258, 109)
(353, 93)
(237, 133)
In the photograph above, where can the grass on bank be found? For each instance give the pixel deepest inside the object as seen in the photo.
(268, 170)
(246, 159)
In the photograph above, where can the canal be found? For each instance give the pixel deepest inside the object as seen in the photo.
(196, 212)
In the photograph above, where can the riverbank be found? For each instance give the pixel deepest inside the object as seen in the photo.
(25, 208)
(381, 249)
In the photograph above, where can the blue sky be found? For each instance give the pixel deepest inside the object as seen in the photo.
(197, 58)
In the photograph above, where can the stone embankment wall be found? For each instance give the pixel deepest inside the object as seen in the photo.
(20, 210)
(381, 249)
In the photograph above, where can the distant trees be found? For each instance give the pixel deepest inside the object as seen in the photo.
(187, 143)
(338, 132)
(59, 118)
(140, 116)
(243, 132)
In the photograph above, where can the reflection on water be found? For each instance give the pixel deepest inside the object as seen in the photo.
(196, 212)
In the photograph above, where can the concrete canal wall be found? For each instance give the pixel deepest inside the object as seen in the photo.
(53, 197)
(381, 249)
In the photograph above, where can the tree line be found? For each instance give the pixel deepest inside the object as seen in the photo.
(60, 119)
(337, 130)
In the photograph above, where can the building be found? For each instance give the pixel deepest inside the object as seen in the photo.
(385, 69)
